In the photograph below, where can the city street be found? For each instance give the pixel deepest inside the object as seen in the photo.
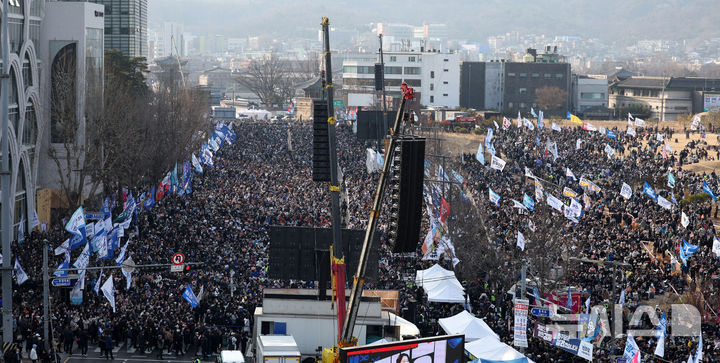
(123, 355)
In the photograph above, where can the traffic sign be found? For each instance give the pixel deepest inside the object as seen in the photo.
(540, 312)
(338, 103)
(62, 281)
(177, 268)
(178, 259)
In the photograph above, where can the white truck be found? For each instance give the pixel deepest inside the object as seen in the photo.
(277, 349)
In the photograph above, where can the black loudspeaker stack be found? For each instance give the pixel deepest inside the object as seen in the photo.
(321, 142)
(405, 191)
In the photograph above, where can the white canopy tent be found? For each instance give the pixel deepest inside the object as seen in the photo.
(489, 348)
(446, 293)
(440, 285)
(465, 323)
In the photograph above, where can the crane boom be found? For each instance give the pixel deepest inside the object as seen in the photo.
(359, 280)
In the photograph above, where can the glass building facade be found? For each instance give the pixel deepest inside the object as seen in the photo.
(126, 26)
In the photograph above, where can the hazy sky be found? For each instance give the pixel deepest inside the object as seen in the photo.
(610, 20)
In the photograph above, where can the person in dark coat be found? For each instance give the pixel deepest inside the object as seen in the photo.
(83, 342)
(68, 338)
(108, 347)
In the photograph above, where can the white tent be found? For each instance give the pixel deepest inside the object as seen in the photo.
(446, 293)
(489, 348)
(435, 276)
(440, 285)
(465, 323)
(406, 327)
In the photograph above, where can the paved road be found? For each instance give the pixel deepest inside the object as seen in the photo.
(122, 354)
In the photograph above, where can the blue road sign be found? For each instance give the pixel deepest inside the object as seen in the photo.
(62, 281)
(540, 312)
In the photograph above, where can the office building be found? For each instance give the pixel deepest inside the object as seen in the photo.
(510, 87)
(433, 75)
(71, 48)
(125, 26)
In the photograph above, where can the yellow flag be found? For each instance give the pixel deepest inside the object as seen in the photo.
(575, 119)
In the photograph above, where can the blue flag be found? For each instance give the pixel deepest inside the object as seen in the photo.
(480, 156)
(671, 180)
(568, 116)
(149, 202)
(706, 189)
(64, 264)
(189, 295)
(491, 149)
(528, 202)
(76, 226)
(536, 294)
(611, 134)
(687, 250)
(532, 112)
(647, 189)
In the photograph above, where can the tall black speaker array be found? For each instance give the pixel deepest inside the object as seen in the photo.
(406, 194)
(321, 142)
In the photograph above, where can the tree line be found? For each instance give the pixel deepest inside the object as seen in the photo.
(137, 135)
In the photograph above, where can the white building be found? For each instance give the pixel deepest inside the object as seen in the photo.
(71, 46)
(24, 105)
(434, 76)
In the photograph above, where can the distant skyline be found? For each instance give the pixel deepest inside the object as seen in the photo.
(619, 21)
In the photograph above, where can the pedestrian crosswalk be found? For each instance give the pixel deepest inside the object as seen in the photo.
(115, 350)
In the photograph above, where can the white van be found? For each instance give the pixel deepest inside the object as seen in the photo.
(231, 356)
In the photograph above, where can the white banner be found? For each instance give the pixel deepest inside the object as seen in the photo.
(520, 329)
(497, 163)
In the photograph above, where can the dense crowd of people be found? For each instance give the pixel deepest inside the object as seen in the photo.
(265, 179)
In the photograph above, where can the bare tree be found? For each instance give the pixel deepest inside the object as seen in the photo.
(550, 98)
(263, 78)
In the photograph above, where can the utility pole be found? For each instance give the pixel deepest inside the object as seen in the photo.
(338, 264)
(5, 222)
(382, 79)
(46, 296)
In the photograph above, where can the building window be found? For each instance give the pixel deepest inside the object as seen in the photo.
(350, 69)
(522, 91)
(511, 74)
(63, 93)
(432, 74)
(510, 104)
(413, 82)
(558, 75)
(535, 75)
(432, 99)
(445, 94)
(15, 29)
(592, 95)
(412, 70)
(445, 60)
(393, 58)
(523, 74)
(411, 59)
(446, 70)
(547, 75)
(522, 105)
(445, 82)
(432, 86)
(393, 70)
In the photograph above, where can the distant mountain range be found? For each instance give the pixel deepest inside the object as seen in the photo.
(623, 21)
